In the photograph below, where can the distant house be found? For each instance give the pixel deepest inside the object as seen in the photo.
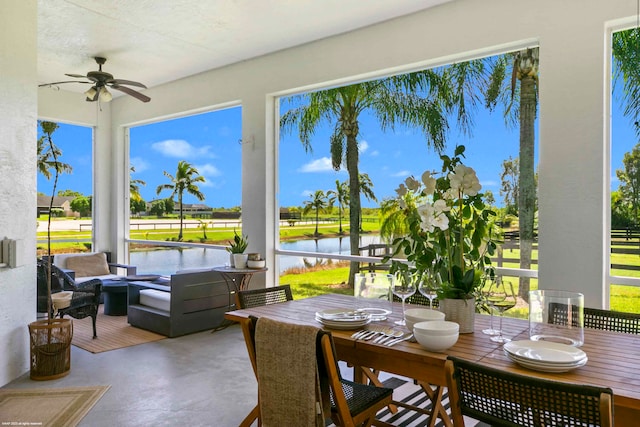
(196, 210)
(59, 202)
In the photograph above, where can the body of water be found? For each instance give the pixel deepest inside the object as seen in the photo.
(168, 261)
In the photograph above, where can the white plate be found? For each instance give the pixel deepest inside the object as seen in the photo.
(545, 351)
(343, 325)
(342, 315)
(544, 367)
(544, 363)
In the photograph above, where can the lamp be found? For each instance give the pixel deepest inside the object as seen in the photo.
(105, 96)
(91, 93)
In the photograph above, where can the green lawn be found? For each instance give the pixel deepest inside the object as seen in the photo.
(623, 298)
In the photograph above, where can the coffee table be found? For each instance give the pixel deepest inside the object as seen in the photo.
(115, 297)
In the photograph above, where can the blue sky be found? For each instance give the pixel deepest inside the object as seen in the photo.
(210, 142)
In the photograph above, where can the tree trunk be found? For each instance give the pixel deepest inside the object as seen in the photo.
(527, 184)
(354, 203)
(180, 201)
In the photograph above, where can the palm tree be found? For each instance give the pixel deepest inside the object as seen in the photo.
(341, 196)
(524, 69)
(394, 101)
(625, 47)
(48, 152)
(185, 179)
(366, 188)
(134, 186)
(318, 202)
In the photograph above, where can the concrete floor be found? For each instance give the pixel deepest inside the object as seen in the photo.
(201, 379)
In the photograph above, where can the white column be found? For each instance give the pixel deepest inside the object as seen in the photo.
(259, 217)
(572, 166)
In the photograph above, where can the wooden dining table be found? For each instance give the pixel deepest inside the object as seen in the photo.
(614, 358)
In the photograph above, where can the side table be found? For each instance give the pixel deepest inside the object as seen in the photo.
(237, 279)
(115, 297)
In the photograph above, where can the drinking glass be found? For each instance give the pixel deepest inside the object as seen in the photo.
(403, 287)
(505, 299)
(429, 286)
(491, 299)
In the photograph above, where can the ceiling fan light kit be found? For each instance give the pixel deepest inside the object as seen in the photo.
(100, 81)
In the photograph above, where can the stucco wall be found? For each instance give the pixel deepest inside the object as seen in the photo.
(18, 104)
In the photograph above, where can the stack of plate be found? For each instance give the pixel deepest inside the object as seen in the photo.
(343, 318)
(545, 356)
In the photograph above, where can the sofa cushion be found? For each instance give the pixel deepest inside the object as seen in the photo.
(156, 299)
(89, 265)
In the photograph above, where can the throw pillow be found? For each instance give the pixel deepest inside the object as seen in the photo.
(89, 265)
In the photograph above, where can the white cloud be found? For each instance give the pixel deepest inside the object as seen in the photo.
(306, 193)
(363, 146)
(139, 164)
(374, 153)
(208, 171)
(489, 183)
(403, 174)
(180, 148)
(319, 165)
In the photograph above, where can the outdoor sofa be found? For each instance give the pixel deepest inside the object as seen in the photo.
(191, 301)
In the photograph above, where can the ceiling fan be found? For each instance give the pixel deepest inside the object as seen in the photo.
(100, 80)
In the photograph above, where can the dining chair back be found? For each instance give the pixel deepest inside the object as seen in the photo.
(263, 296)
(503, 398)
(595, 318)
(351, 403)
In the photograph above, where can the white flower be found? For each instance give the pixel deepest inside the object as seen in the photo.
(412, 183)
(464, 180)
(441, 206)
(433, 216)
(401, 190)
(429, 183)
(441, 221)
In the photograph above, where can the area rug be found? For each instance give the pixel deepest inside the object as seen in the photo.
(50, 407)
(113, 333)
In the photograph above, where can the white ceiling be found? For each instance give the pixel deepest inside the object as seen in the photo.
(157, 41)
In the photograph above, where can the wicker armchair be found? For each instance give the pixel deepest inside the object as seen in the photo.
(595, 318)
(85, 297)
(506, 399)
(351, 403)
(263, 296)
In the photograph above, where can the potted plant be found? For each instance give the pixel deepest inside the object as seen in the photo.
(238, 258)
(450, 234)
(50, 339)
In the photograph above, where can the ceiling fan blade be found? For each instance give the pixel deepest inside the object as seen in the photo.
(135, 94)
(59, 83)
(126, 82)
(80, 76)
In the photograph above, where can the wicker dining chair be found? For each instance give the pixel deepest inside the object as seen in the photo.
(351, 404)
(503, 398)
(85, 298)
(263, 296)
(595, 318)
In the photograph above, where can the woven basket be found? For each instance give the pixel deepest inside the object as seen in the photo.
(461, 311)
(50, 348)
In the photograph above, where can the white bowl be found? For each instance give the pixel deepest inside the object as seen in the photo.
(423, 314)
(416, 315)
(437, 327)
(435, 343)
(256, 264)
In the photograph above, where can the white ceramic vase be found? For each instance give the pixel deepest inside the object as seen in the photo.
(461, 311)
